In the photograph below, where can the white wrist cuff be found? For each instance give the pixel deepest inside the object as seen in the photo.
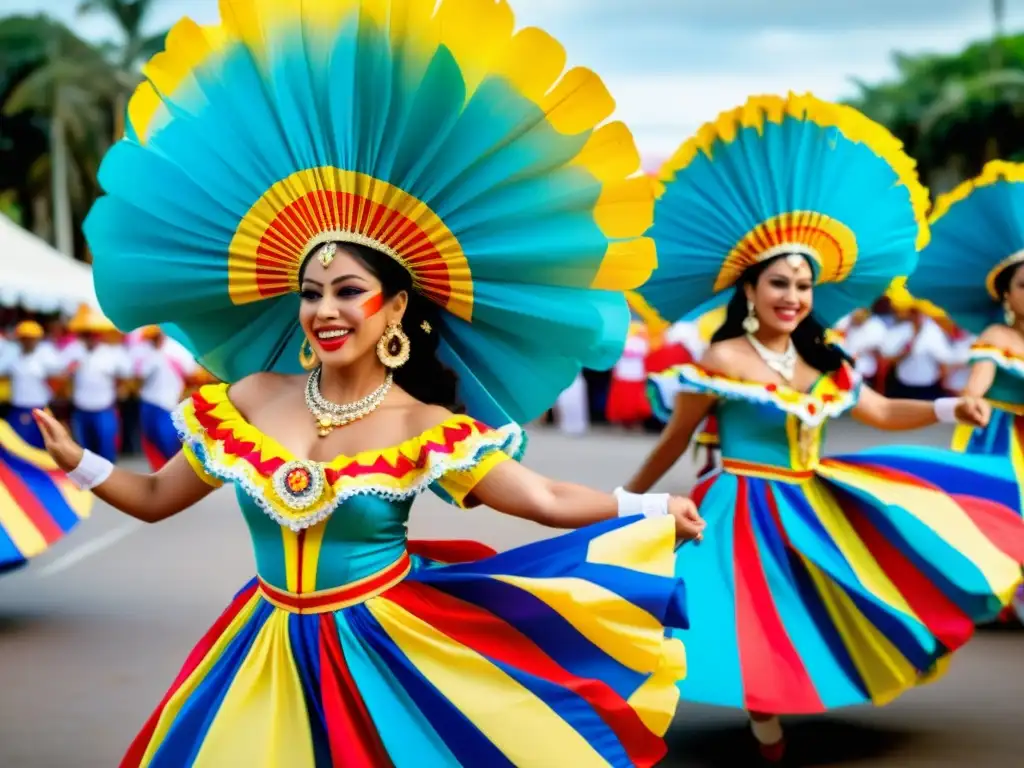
(945, 409)
(92, 470)
(646, 504)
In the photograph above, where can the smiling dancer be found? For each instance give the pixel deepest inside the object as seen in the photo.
(349, 185)
(972, 270)
(828, 581)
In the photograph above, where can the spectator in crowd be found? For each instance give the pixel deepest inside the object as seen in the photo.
(28, 363)
(919, 353)
(163, 368)
(97, 369)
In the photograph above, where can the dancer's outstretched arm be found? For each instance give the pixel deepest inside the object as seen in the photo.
(882, 412)
(146, 497)
(516, 490)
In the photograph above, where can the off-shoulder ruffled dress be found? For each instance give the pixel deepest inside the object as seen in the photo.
(832, 581)
(353, 647)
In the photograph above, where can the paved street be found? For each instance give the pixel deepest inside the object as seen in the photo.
(92, 634)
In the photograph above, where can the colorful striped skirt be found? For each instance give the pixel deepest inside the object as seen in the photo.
(38, 504)
(848, 584)
(550, 654)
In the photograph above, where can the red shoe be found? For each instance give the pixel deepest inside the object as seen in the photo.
(771, 742)
(1007, 616)
(772, 753)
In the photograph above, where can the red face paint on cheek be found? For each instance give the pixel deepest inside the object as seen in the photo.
(372, 305)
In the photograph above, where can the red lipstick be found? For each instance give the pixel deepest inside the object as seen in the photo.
(332, 344)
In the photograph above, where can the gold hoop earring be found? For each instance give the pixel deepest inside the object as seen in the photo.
(1009, 315)
(307, 357)
(393, 348)
(750, 323)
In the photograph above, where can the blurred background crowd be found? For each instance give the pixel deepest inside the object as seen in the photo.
(67, 68)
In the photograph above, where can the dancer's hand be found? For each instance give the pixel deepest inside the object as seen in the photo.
(65, 451)
(974, 411)
(689, 524)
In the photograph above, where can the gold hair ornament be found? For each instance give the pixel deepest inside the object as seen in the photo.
(326, 254)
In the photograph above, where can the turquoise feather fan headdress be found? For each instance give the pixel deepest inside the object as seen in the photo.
(977, 232)
(433, 132)
(781, 175)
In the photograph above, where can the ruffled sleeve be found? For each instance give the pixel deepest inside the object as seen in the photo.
(1004, 359)
(194, 440)
(831, 396)
(473, 457)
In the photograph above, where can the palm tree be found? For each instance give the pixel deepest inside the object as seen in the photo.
(131, 17)
(68, 87)
(135, 48)
(955, 112)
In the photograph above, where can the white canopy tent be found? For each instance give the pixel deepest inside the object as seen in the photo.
(38, 277)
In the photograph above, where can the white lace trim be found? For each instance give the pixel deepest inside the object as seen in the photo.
(509, 438)
(684, 379)
(1012, 365)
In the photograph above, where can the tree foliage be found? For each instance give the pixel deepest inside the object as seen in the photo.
(53, 82)
(954, 112)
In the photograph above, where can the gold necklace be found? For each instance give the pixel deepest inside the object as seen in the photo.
(329, 416)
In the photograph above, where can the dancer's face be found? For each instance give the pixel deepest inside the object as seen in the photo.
(343, 311)
(1015, 292)
(783, 294)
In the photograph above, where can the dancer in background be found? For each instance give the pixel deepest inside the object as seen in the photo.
(972, 270)
(572, 408)
(832, 580)
(29, 367)
(164, 369)
(426, 239)
(97, 370)
(627, 403)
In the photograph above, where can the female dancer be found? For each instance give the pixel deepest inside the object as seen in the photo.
(348, 184)
(972, 270)
(831, 581)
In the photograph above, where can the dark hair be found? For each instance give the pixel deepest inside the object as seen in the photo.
(423, 376)
(1002, 281)
(808, 337)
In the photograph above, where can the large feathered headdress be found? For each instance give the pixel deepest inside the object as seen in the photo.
(433, 132)
(786, 175)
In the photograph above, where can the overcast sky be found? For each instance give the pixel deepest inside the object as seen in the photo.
(673, 64)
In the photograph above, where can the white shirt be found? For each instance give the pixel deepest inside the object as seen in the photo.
(163, 372)
(631, 365)
(960, 353)
(29, 374)
(929, 351)
(95, 374)
(688, 335)
(863, 342)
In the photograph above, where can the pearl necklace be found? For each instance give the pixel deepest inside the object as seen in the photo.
(783, 363)
(330, 416)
